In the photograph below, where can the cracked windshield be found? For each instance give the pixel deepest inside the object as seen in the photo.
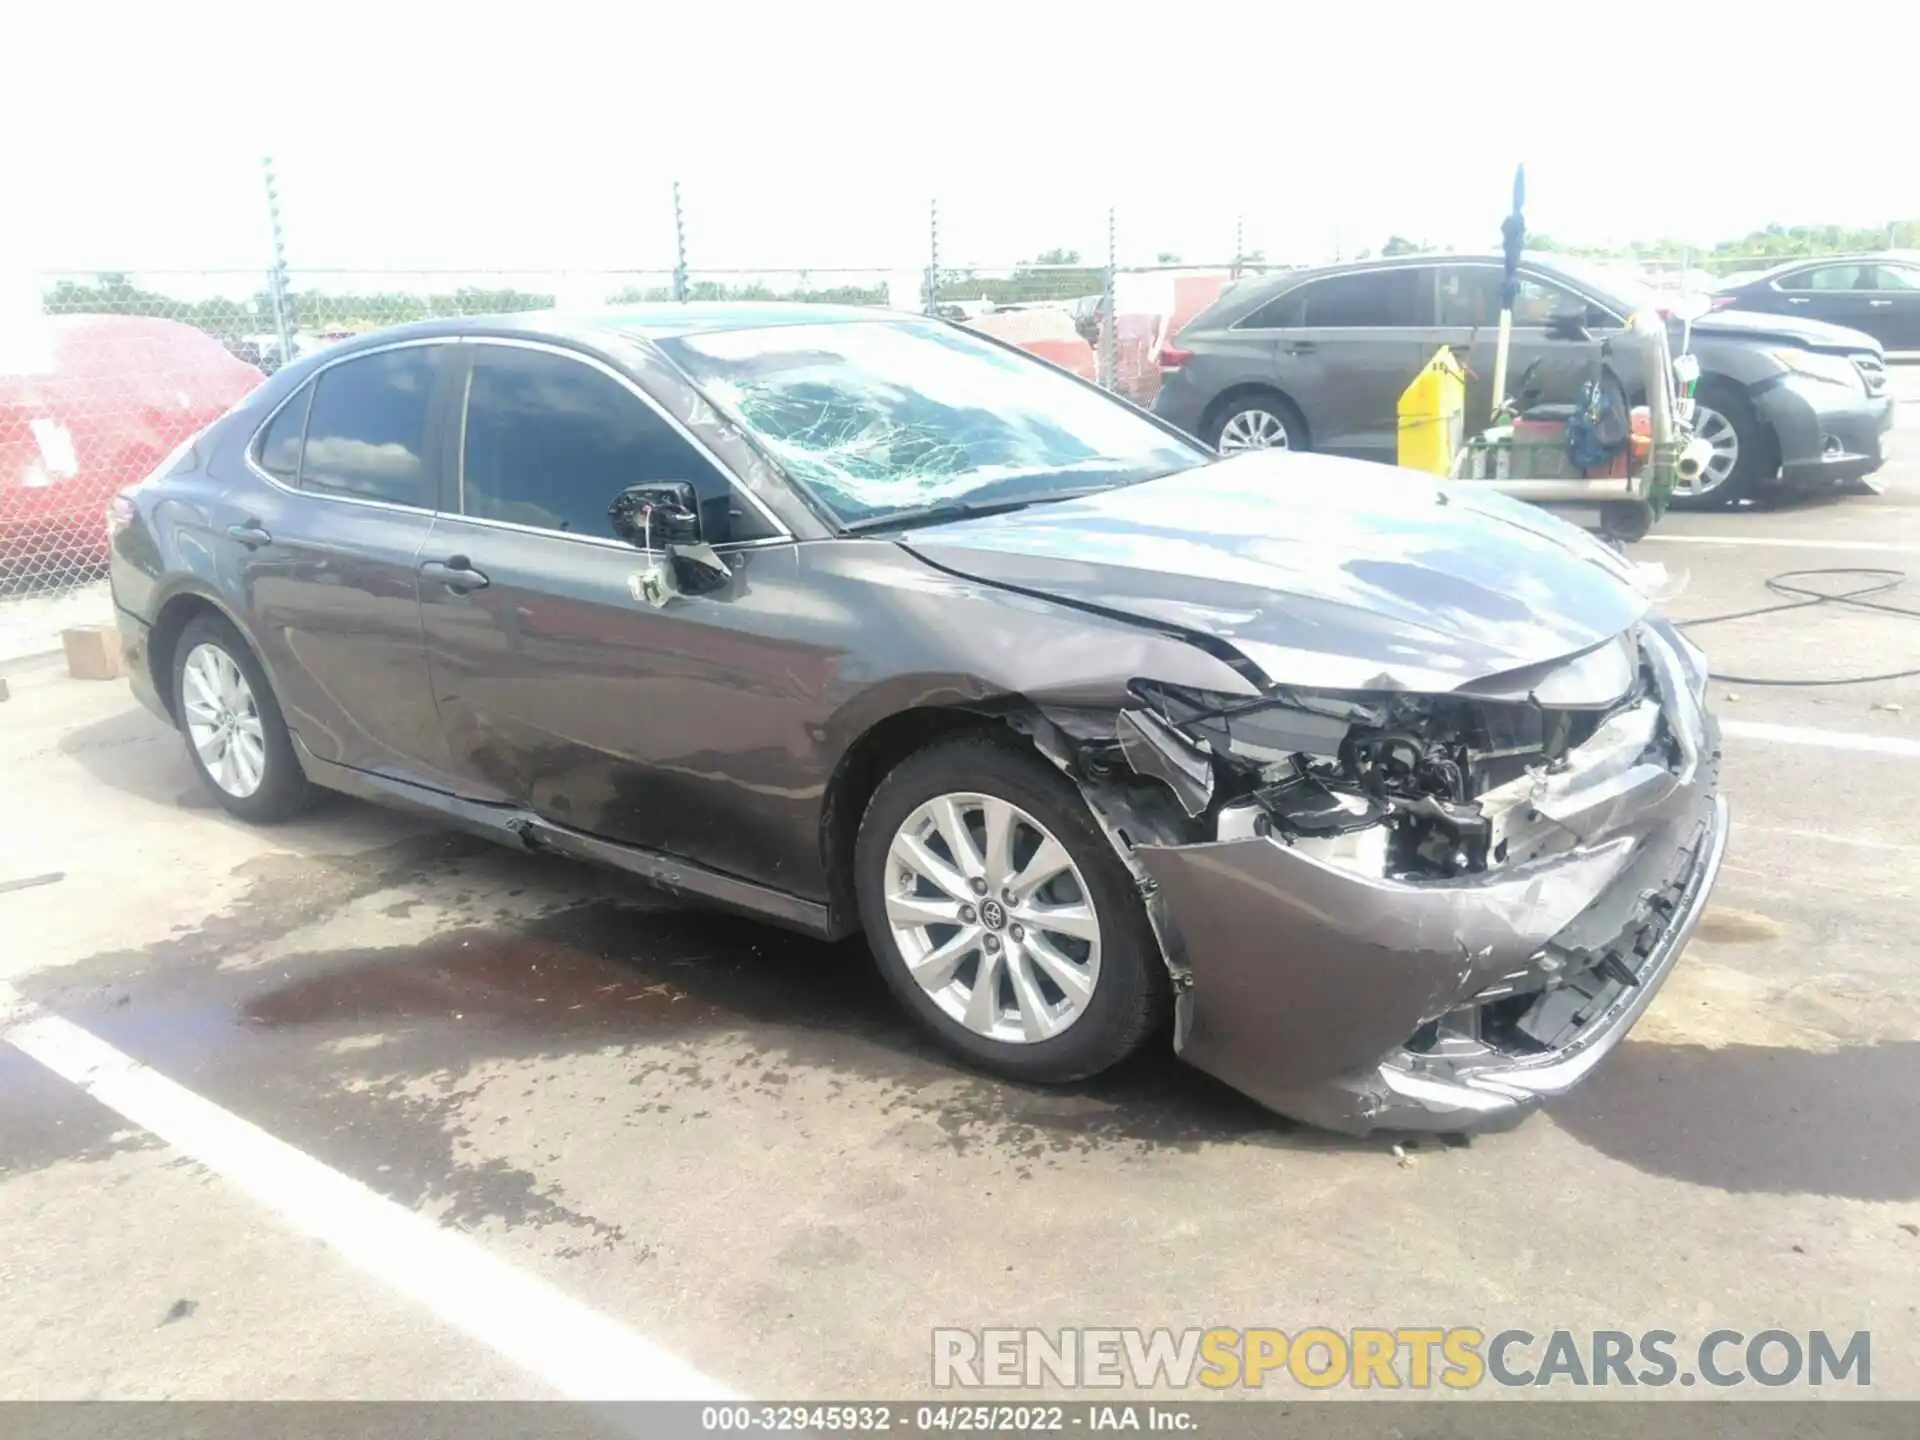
(881, 419)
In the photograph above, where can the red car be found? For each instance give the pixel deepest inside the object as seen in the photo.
(90, 404)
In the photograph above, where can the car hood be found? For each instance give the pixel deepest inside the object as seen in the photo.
(1321, 572)
(1808, 334)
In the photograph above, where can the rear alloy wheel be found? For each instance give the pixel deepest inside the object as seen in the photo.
(223, 721)
(1253, 427)
(235, 736)
(1001, 916)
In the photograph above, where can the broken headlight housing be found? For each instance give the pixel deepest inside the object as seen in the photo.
(1400, 786)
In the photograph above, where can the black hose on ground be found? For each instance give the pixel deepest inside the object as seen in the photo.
(1876, 582)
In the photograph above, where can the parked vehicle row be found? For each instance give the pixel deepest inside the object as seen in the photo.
(1878, 295)
(1389, 801)
(1317, 359)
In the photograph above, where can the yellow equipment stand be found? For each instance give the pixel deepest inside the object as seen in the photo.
(1432, 411)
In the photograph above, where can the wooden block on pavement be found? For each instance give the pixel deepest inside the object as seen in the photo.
(93, 652)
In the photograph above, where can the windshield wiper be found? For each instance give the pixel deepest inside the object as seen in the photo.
(948, 510)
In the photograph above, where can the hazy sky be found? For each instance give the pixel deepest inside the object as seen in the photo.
(545, 135)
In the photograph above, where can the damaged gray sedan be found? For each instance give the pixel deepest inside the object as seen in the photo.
(1390, 800)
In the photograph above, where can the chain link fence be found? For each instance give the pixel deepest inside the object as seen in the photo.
(123, 367)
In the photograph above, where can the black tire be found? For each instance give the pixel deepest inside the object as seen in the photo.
(1132, 995)
(1751, 466)
(1239, 402)
(284, 790)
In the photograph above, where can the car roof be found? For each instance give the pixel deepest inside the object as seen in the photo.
(691, 317)
(1281, 279)
(648, 322)
(1255, 289)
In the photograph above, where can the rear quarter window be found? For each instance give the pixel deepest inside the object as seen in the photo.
(277, 451)
(1283, 312)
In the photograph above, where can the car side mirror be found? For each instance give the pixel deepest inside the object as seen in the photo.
(1569, 325)
(665, 515)
(658, 515)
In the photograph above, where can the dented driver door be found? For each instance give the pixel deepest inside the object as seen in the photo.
(567, 682)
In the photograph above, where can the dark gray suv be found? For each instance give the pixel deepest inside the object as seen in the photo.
(1318, 359)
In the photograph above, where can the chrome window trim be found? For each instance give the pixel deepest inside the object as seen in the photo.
(460, 447)
(253, 443)
(604, 542)
(725, 471)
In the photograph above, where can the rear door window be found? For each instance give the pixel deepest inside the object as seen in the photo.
(1370, 299)
(1280, 313)
(366, 434)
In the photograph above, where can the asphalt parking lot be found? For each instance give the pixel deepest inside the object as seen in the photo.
(590, 1132)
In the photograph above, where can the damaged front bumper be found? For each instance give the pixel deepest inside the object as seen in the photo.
(1360, 1003)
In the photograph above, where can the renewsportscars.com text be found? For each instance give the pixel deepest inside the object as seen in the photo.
(1415, 1358)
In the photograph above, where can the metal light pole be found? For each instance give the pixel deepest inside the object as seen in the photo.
(679, 248)
(277, 276)
(1513, 233)
(930, 298)
(1110, 319)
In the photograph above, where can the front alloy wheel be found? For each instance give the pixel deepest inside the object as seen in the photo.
(1253, 429)
(1740, 454)
(1001, 916)
(992, 918)
(1718, 431)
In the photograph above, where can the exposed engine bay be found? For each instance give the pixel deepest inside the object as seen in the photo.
(1399, 786)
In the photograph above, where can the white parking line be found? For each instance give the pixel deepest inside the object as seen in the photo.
(581, 1353)
(1779, 543)
(1824, 739)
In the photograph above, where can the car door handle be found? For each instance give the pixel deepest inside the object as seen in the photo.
(456, 572)
(1796, 299)
(250, 533)
(1301, 347)
(1878, 303)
